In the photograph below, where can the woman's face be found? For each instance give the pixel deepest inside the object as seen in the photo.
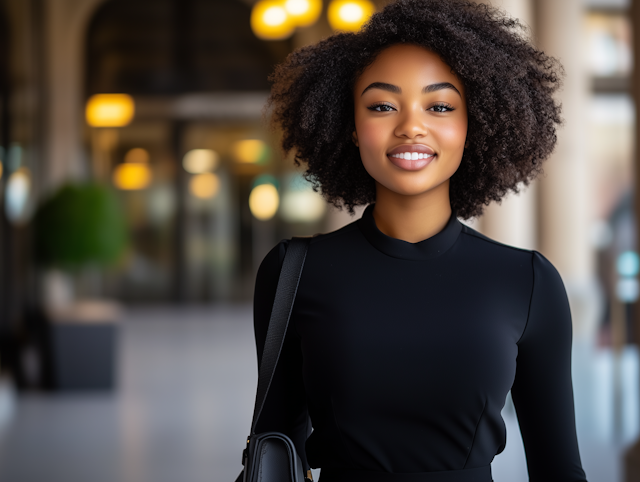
(411, 120)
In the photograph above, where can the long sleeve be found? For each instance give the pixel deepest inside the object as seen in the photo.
(285, 409)
(542, 390)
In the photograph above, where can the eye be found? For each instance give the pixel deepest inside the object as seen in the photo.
(381, 107)
(441, 107)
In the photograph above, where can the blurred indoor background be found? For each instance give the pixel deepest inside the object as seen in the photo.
(140, 189)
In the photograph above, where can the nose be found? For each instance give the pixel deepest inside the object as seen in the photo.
(411, 124)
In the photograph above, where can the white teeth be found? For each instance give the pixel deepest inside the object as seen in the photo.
(412, 155)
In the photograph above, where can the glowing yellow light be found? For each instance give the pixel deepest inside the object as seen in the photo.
(205, 185)
(271, 21)
(137, 155)
(132, 176)
(1, 170)
(349, 15)
(197, 161)
(264, 201)
(274, 16)
(303, 12)
(249, 151)
(110, 110)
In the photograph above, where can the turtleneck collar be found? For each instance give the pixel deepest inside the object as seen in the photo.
(397, 248)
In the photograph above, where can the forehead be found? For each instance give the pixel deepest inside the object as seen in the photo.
(403, 64)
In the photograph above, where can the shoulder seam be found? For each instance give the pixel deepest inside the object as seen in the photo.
(349, 227)
(471, 232)
(533, 286)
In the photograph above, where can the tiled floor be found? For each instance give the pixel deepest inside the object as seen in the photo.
(184, 405)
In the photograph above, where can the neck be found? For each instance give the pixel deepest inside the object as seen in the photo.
(412, 218)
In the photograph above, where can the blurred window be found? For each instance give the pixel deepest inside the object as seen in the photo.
(608, 44)
(610, 149)
(185, 166)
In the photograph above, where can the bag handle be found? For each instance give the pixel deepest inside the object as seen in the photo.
(279, 321)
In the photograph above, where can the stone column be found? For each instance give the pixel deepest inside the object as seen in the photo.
(564, 199)
(66, 27)
(514, 220)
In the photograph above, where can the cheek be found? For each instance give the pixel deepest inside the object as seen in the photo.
(453, 136)
(452, 140)
(371, 135)
(372, 145)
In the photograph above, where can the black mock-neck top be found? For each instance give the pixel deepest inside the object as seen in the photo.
(402, 355)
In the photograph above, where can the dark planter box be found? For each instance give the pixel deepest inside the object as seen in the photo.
(83, 346)
(84, 356)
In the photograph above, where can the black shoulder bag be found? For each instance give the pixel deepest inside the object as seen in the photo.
(271, 456)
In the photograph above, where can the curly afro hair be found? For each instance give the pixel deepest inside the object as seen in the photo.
(512, 116)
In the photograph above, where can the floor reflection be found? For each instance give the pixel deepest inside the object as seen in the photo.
(187, 381)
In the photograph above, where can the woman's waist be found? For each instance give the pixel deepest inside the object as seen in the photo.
(478, 474)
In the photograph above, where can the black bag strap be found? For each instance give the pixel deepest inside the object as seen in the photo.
(280, 314)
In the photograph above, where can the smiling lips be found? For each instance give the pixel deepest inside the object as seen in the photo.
(411, 157)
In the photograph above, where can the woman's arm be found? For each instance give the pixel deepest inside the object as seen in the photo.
(285, 408)
(542, 391)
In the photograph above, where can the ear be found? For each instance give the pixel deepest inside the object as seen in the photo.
(354, 138)
(466, 143)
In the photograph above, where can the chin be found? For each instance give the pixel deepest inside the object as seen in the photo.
(409, 189)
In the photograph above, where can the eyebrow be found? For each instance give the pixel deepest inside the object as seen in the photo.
(440, 86)
(397, 90)
(383, 86)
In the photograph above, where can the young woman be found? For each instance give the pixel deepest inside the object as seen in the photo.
(409, 328)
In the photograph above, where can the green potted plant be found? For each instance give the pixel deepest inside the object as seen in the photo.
(79, 226)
